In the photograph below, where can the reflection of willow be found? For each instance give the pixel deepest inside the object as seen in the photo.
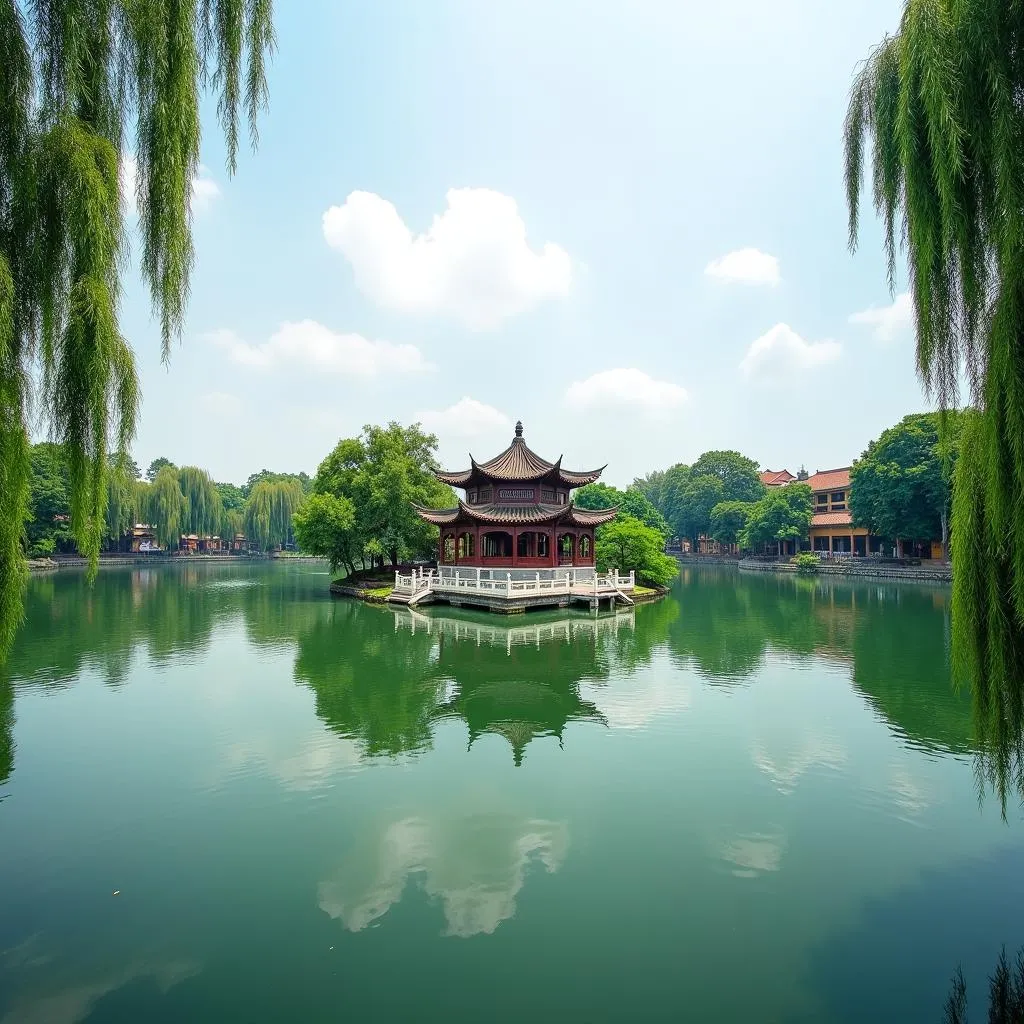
(369, 686)
(73, 627)
(6, 730)
(518, 681)
(894, 636)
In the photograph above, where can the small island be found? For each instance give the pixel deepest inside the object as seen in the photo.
(517, 540)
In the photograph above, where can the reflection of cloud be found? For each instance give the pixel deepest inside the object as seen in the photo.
(906, 793)
(646, 696)
(296, 762)
(73, 1003)
(754, 854)
(475, 865)
(786, 769)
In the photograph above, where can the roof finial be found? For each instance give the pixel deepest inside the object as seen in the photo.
(519, 428)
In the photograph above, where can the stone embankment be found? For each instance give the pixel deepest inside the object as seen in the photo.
(937, 573)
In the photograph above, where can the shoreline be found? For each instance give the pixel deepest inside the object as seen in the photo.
(853, 570)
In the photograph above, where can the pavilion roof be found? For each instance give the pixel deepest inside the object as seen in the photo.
(518, 515)
(518, 463)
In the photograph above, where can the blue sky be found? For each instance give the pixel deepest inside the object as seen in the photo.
(622, 223)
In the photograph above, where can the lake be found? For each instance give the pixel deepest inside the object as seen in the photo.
(226, 796)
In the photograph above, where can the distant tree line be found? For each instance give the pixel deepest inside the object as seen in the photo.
(172, 500)
(900, 489)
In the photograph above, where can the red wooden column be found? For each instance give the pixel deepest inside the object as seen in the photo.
(515, 546)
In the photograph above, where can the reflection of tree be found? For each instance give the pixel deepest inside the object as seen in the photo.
(369, 684)
(6, 730)
(893, 635)
(901, 664)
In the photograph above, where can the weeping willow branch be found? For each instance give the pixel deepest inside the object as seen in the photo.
(76, 78)
(939, 106)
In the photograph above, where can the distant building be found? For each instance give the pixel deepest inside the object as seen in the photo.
(776, 478)
(832, 528)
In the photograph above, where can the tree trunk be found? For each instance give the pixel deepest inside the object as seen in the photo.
(394, 558)
(944, 521)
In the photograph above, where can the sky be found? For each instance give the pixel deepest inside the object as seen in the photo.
(622, 223)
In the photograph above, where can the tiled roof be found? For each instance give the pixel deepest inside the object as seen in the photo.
(830, 479)
(518, 463)
(832, 519)
(516, 515)
(775, 478)
(593, 516)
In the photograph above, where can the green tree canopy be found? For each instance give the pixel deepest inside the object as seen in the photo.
(901, 485)
(696, 498)
(784, 513)
(166, 507)
(269, 511)
(741, 479)
(728, 518)
(49, 499)
(267, 476)
(383, 472)
(630, 502)
(156, 465)
(628, 545)
(205, 511)
(83, 87)
(231, 497)
(939, 105)
(325, 526)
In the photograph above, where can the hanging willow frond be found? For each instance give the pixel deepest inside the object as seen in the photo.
(78, 77)
(940, 106)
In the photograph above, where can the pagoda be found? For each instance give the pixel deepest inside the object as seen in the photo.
(517, 513)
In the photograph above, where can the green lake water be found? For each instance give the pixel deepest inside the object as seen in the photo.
(753, 801)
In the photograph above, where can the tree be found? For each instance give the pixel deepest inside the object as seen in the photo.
(48, 527)
(630, 502)
(697, 497)
(166, 507)
(384, 472)
(205, 511)
(727, 520)
(741, 479)
(269, 511)
(76, 79)
(324, 527)
(939, 105)
(231, 497)
(628, 545)
(900, 486)
(784, 513)
(156, 465)
(265, 475)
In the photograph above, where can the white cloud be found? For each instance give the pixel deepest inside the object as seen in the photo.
(204, 188)
(466, 418)
(748, 266)
(220, 403)
(781, 353)
(310, 345)
(473, 263)
(890, 322)
(623, 388)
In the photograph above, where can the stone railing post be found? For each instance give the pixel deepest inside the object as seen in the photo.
(508, 584)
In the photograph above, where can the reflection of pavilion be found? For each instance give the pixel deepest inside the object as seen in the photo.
(517, 681)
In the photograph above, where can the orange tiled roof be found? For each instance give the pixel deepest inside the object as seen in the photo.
(830, 479)
(832, 519)
(775, 478)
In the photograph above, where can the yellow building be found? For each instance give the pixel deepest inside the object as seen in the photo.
(832, 527)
